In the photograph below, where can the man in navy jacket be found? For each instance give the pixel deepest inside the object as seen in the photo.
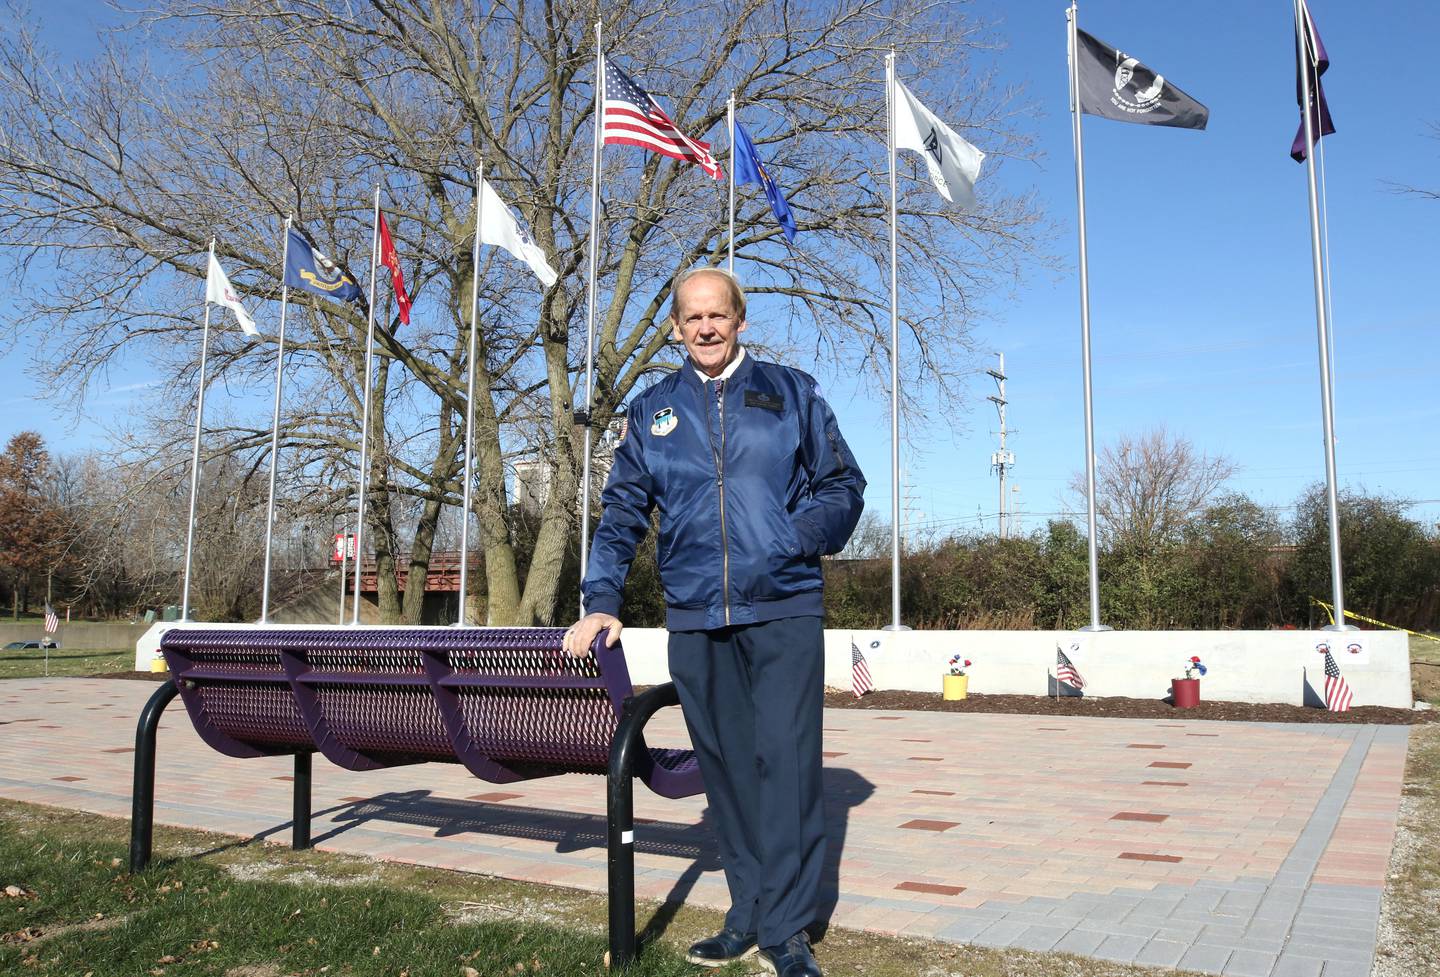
(753, 483)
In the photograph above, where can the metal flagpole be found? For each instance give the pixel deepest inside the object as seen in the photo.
(275, 426)
(195, 454)
(590, 316)
(344, 559)
(1322, 325)
(895, 624)
(1072, 50)
(730, 116)
(470, 392)
(365, 417)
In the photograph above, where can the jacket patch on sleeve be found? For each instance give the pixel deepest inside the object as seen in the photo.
(664, 422)
(758, 398)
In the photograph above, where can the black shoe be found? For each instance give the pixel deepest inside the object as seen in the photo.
(720, 949)
(791, 958)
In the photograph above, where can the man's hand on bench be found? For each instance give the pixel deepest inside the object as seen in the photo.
(581, 634)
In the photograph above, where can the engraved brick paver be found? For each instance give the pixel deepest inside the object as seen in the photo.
(1267, 859)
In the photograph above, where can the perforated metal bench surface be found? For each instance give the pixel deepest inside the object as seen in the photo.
(508, 703)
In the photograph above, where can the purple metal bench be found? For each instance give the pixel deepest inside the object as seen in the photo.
(508, 703)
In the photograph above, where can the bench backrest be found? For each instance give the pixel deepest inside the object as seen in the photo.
(509, 703)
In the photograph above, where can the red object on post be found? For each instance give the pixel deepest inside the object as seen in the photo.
(1185, 692)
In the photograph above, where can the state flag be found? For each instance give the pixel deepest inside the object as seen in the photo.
(954, 164)
(1114, 85)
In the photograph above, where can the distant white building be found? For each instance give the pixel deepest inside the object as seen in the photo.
(531, 488)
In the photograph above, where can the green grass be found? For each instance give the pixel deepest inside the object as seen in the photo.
(1425, 669)
(80, 912)
(221, 907)
(65, 662)
(1423, 650)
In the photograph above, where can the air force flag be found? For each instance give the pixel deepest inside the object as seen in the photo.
(307, 267)
(749, 169)
(954, 163)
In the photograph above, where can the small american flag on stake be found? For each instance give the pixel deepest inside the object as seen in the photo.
(1337, 691)
(860, 681)
(52, 620)
(633, 118)
(1065, 670)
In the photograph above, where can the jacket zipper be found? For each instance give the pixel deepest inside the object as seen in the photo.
(720, 482)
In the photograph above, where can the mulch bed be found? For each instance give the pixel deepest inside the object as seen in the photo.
(1113, 707)
(1121, 707)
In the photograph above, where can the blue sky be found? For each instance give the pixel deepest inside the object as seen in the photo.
(1201, 294)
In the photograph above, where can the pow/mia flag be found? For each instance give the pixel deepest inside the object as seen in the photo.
(954, 163)
(1114, 85)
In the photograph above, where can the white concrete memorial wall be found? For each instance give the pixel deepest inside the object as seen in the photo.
(1242, 666)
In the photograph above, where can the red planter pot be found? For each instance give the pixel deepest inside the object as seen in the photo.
(1185, 692)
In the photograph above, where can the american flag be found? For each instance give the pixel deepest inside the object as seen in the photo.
(52, 620)
(860, 681)
(1337, 692)
(1065, 670)
(633, 118)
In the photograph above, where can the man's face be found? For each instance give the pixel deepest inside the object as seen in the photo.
(707, 323)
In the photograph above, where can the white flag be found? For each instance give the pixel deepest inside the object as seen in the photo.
(218, 290)
(954, 163)
(498, 226)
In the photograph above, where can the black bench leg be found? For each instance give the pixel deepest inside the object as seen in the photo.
(142, 793)
(620, 798)
(300, 809)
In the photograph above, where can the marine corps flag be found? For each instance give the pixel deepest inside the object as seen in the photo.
(1114, 85)
(391, 260)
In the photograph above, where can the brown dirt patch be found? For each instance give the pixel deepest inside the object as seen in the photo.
(1425, 677)
(1120, 707)
(143, 676)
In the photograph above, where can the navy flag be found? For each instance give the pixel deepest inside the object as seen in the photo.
(307, 267)
(749, 169)
(1114, 85)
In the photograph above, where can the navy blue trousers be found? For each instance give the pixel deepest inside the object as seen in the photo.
(752, 697)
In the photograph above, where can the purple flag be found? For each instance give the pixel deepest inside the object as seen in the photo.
(1312, 53)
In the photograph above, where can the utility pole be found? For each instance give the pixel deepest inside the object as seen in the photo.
(1003, 460)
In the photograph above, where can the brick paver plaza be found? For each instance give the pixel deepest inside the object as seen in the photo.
(1235, 848)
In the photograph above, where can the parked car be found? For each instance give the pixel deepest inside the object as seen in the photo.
(30, 645)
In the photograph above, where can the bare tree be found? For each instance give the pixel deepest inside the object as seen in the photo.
(1148, 487)
(220, 119)
(1427, 192)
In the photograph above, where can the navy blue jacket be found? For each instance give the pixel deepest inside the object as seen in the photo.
(747, 508)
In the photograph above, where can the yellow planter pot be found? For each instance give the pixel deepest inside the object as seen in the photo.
(956, 686)
(158, 665)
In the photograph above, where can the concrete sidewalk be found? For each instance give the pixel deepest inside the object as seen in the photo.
(1234, 848)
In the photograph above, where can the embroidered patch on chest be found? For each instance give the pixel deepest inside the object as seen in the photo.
(664, 422)
(758, 398)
